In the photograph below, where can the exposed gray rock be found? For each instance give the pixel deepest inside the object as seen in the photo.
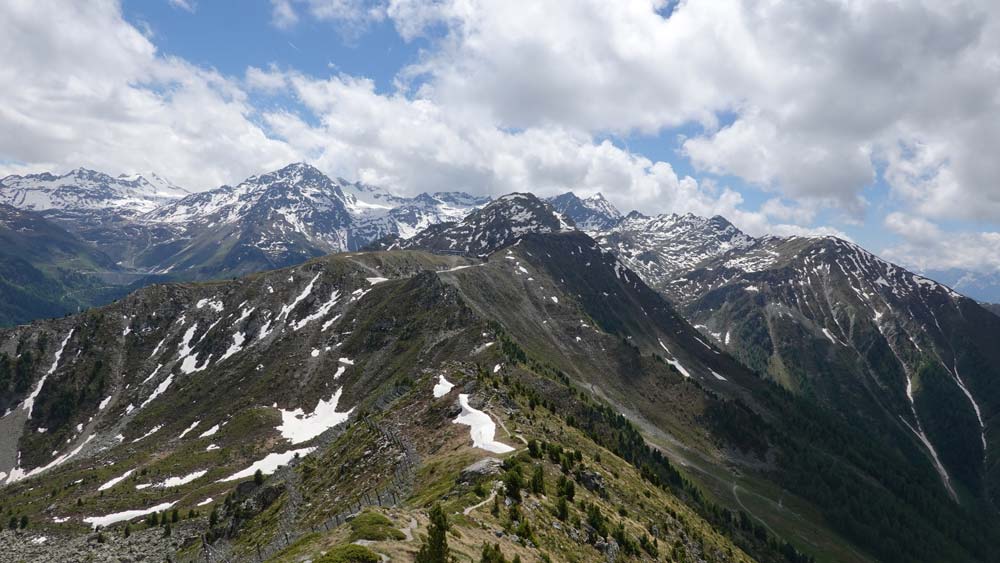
(482, 468)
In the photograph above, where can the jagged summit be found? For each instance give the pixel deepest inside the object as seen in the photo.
(663, 246)
(497, 224)
(591, 214)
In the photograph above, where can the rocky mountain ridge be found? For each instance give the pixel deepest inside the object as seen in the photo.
(389, 375)
(827, 319)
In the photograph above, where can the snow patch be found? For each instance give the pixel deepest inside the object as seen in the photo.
(298, 427)
(152, 431)
(481, 427)
(286, 309)
(159, 390)
(212, 303)
(189, 428)
(157, 348)
(482, 347)
(269, 464)
(189, 363)
(674, 362)
(178, 481)
(830, 336)
(442, 387)
(104, 521)
(16, 474)
(29, 401)
(323, 311)
(238, 339)
(115, 481)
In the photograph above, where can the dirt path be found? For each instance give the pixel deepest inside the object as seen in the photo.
(750, 512)
(408, 530)
(468, 510)
(504, 426)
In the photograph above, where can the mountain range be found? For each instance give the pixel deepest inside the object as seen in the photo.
(149, 230)
(663, 388)
(83, 191)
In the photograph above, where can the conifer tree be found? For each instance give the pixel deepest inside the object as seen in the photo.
(435, 546)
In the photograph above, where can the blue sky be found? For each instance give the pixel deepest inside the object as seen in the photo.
(872, 121)
(230, 36)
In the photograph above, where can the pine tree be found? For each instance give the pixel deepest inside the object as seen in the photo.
(435, 547)
(258, 477)
(533, 448)
(538, 480)
(513, 482)
(492, 554)
(175, 516)
(128, 529)
(562, 509)
(566, 488)
(24, 522)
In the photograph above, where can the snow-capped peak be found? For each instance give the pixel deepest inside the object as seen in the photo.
(82, 189)
(160, 186)
(598, 203)
(592, 214)
(660, 247)
(497, 224)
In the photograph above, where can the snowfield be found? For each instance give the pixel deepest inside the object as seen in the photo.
(298, 427)
(481, 427)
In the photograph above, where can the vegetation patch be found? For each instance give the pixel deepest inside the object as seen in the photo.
(375, 527)
(349, 553)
